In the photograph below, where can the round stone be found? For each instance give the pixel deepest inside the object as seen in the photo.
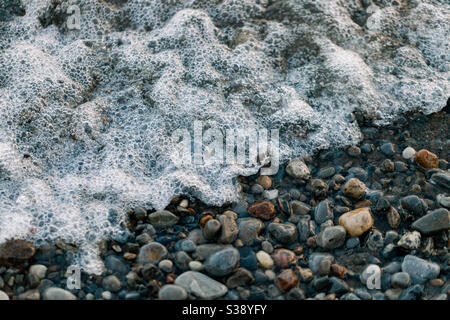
(400, 280)
(408, 153)
(38, 270)
(420, 270)
(165, 265)
(201, 285)
(323, 212)
(283, 258)
(196, 266)
(298, 169)
(111, 283)
(162, 219)
(331, 237)
(264, 181)
(427, 159)
(223, 262)
(356, 222)
(283, 232)
(264, 259)
(172, 292)
(262, 209)
(354, 188)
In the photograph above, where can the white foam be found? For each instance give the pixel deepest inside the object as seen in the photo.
(86, 117)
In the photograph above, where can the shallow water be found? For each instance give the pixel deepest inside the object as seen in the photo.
(88, 114)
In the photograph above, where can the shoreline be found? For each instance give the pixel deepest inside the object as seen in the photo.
(285, 238)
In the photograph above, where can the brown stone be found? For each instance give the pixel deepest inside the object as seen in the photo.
(283, 257)
(286, 280)
(356, 222)
(354, 188)
(262, 209)
(427, 159)
(16, 251)
(393, 217)
(338, 270)
(204, 220)
(264, 181)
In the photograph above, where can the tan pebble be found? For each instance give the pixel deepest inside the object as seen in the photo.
(356, 222)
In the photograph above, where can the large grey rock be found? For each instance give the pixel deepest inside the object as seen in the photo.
(201, 285)
(437, 220)
(249, 230)
(420, 270)
(58, 294)
(283, 232)
(162, 219)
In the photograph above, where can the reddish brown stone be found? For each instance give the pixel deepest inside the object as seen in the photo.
(286, 280)
(170, 278)
(262, 209)
(204, 220)
(283, 257)
(311, 242)
(427, 159)
(16, 251)
(338, 270)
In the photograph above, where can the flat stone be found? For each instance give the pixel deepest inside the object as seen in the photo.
(222, 263)
(172, 292)
(332, 237)
(31, 295)
(16, 251)
(298, 169)
(58, 294)
(326, 172)
(153, 252)
(300, 208)
(420, 270)
(204, 251)
(354, 188)
(283, 232)
(427, 159)
(262, 209)
(201, 285)
(356, 222)
(437, 220)
(162, 219)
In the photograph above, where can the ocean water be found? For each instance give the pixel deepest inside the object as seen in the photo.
(92, 93)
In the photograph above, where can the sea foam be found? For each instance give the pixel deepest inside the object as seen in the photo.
(87, 115)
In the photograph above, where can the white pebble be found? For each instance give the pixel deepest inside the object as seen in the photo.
(106, 295)
(408, 153)
(264, 259)
(196, 266)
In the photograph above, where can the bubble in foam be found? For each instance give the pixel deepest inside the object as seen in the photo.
(88, 116)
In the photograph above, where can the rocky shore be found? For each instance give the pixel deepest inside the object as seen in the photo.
(322, 228)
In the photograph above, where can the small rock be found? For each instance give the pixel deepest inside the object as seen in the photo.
(412, 293)
(201, 285)
(211, 229)
(323, 212)
(316, 259)
(58, 294)
(38, 270)
(400, 280)
(249, 230)
(354, 151)
(437, 220)
(264, 181)
(196, 266)
(410, 240)
(326, 172)
(300, 208)
(441, 179)
(264, 259)
(283, 232)
(111, 283)
(3, 296)
(354, 188)
(414, 205)
(388, 149)
(32, 295)
(222, 263)
(408, 153)
(338, 270)
(298, 169)
(420, 270)
(283, 258)
(172, 292)
(153, 252)
(393, 217)
(270, 194)
(356, 222)
(16, 251)
(165, 265)
(443, 200)
(286, 280)
(229, 230)
(241, 277)
(162, 219)
(319, 188)
(427, 159)
(262, 209)
(331, 237)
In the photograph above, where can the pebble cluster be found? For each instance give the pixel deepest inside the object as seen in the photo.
(316, 230)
